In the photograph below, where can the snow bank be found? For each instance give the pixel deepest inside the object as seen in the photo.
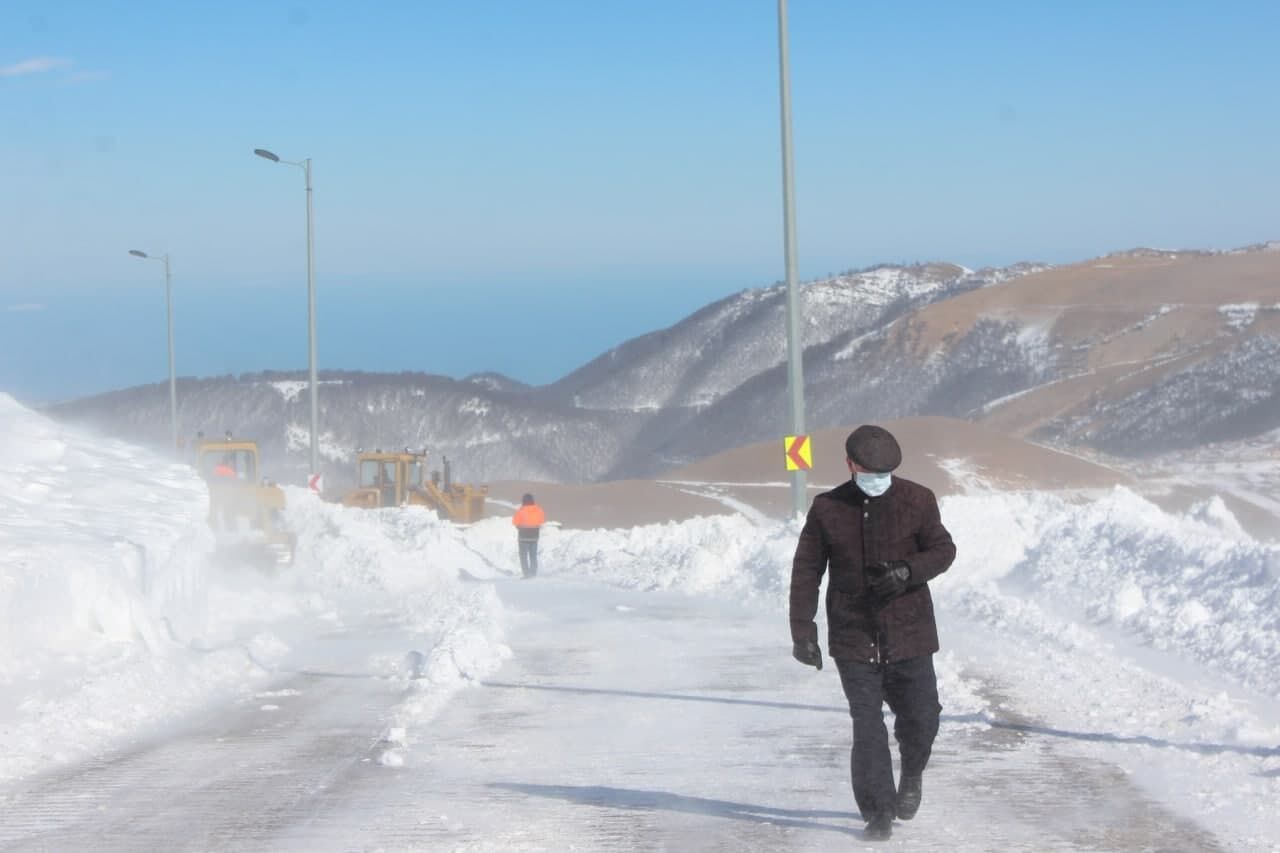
(1194, 585)
(102, 555)
(400, 566)
(1132, 636)
(116, 612)
(728, 555)
(721, 554)
(99, 544)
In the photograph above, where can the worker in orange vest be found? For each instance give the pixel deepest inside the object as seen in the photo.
(528, 520)
(225, 468)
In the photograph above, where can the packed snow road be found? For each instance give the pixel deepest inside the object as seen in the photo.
(624, 720)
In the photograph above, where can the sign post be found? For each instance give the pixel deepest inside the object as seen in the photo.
(795, 356)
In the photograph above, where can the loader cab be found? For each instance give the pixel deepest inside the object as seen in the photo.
(391, 476)
(226, 461)
(380, 475)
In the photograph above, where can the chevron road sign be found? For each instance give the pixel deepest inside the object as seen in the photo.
(799, 452)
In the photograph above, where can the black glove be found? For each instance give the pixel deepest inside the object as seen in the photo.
(808, 653)
(888, 580)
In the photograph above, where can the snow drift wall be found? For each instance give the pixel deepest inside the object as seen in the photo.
(100, 543)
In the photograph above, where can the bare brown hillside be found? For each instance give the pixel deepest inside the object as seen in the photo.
(1097, 296)
(1122, 352)
(945, 454)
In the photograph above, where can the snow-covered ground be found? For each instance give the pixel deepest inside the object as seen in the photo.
(117, 613)
(1135, 650)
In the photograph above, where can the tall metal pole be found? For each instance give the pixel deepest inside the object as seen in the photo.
(173, 381)
(305, 165)
(795, 366)
(311, 327)
(168, 307)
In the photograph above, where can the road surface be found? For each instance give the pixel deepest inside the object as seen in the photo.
(624, 720)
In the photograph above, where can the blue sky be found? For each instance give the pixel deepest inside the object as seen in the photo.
(518, 186)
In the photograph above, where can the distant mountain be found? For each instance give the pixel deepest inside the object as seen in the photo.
(714, 351)
(484, 432)
(1149, 355)
(496, 382)
(1133, 353)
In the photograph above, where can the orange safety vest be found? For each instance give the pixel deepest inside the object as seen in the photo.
(529, 515)
(223, 470)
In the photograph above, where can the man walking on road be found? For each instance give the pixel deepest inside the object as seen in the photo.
(883, 540)
(528, 520)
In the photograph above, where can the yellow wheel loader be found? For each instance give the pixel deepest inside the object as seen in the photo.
(244, 508)
(401, 479)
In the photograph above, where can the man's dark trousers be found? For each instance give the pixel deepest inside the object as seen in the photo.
(529, 557)
(911, 689)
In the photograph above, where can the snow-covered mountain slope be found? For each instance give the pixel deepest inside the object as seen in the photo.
(1134, 353)
(1131, 355)
(712, 352)
(484, 432)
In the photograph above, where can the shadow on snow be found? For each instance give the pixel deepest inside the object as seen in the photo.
(957, 719)
(627, 798)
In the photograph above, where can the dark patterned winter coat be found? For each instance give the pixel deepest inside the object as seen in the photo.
(846, 531)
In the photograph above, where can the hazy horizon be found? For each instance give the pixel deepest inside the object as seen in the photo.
(499, 166)
(518, 335)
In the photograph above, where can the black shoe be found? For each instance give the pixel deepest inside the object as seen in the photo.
(909, 794)
(879, 828)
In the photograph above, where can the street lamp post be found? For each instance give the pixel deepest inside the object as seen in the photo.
(173, 382)
(795, 351)
(305, 165)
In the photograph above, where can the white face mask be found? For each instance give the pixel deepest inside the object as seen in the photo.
(873, 484)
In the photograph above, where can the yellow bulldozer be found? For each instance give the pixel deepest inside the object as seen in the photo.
(401, 479)
(244, 508)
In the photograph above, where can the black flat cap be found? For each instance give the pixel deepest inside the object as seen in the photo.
(874, 448)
